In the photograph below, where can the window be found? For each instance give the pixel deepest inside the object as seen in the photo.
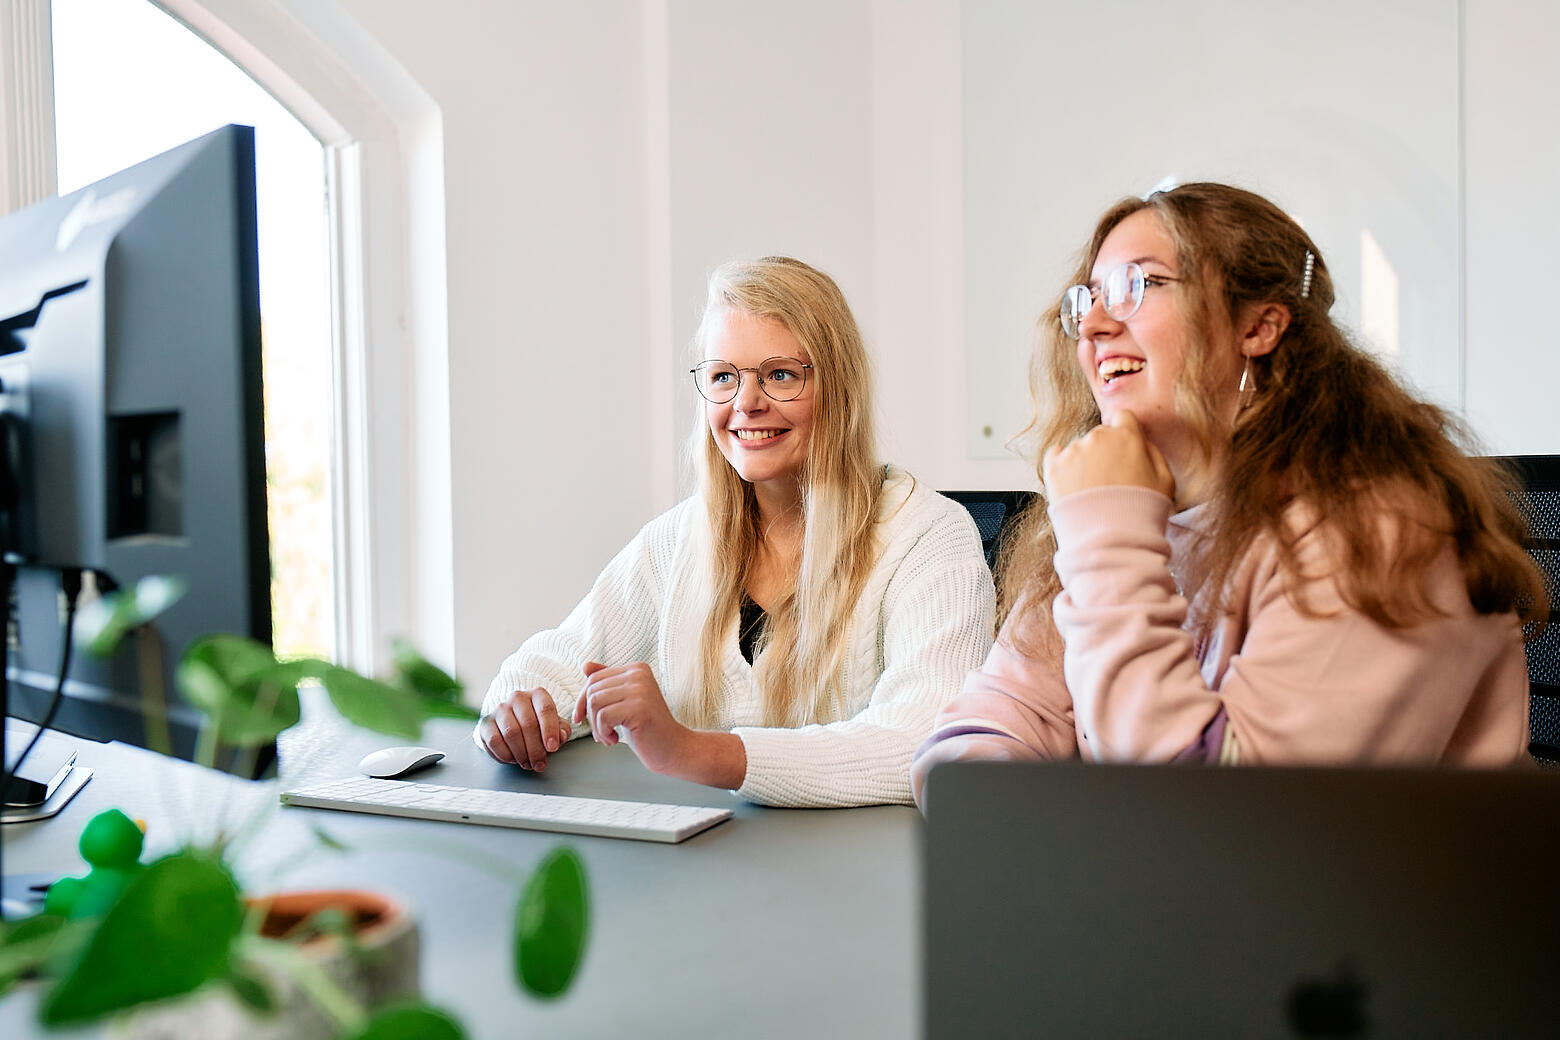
(130, 82)
(382, 143)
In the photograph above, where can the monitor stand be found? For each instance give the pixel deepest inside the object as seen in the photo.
(48, 779)
(74, 781)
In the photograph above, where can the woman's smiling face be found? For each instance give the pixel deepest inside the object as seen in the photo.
(765, 440)
(1135, 364)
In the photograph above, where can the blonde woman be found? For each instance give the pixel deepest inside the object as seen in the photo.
(791, 631)
(1256, 547)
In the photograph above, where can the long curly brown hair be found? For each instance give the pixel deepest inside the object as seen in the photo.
(1329, 428)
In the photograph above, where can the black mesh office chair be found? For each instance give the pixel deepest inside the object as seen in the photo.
(1541, 480)
(993, 512)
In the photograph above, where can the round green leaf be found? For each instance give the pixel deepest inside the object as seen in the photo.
(240, 684)
(309, 667)
(155, 593)
(169, 933)
(28, 944)
(416, 673)
(552, 923)
(251, 990)
(410, 1022)
(374, 705)
(239, 660)
(201, 684)
(448, 710)
(101, 624)
(258, 713)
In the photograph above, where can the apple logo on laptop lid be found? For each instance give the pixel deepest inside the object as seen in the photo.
(1329, 1007)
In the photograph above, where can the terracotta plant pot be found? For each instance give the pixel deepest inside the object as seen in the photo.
(384, 968)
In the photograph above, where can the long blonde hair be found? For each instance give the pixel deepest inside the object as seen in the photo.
(1328, 427)
(801, 664)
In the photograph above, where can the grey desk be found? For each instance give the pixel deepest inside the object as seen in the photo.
(777, 923)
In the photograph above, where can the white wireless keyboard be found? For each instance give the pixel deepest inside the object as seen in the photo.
(641, 821)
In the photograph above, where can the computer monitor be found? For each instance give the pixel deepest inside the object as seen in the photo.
(130, 363)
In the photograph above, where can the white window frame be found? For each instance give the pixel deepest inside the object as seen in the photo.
(383, 139)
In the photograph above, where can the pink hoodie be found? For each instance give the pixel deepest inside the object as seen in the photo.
(1271, 684)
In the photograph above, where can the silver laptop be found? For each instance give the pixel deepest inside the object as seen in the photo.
(1064, 900)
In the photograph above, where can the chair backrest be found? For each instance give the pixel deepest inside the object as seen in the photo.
(994, 513)
(1540, 475)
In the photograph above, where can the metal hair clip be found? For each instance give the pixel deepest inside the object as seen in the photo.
(1305, 283)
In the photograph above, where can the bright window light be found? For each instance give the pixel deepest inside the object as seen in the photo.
(1379, 315)
(131, 82)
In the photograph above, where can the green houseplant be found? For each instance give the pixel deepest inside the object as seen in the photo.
(88, 946)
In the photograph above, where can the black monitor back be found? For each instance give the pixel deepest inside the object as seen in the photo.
(130, 350)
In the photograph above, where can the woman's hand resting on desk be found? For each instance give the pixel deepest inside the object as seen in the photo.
(523, 729)
(629, 697)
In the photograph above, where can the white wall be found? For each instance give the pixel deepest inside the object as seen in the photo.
(831, 131)
(1353, 133)
(546, 232)
(769, 150)
(601, 157)
(1511, 172)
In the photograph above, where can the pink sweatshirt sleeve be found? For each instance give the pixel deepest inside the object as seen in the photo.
(1131, 667)
(1014, 706)
(1323, 685)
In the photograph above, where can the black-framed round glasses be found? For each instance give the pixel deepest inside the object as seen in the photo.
(1122, 289)
(780, 378)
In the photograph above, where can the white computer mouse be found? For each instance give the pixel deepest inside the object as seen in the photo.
(392, 762)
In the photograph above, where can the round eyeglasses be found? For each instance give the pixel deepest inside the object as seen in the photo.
(780, 378)
(1122, 289)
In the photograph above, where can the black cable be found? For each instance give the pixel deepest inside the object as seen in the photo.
(70, 585)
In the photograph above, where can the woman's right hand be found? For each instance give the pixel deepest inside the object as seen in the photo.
(1113, 453)
(523, 729)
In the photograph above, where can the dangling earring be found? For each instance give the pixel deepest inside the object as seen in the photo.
(1248, 384)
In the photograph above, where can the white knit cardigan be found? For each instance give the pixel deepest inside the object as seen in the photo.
(924, 620)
